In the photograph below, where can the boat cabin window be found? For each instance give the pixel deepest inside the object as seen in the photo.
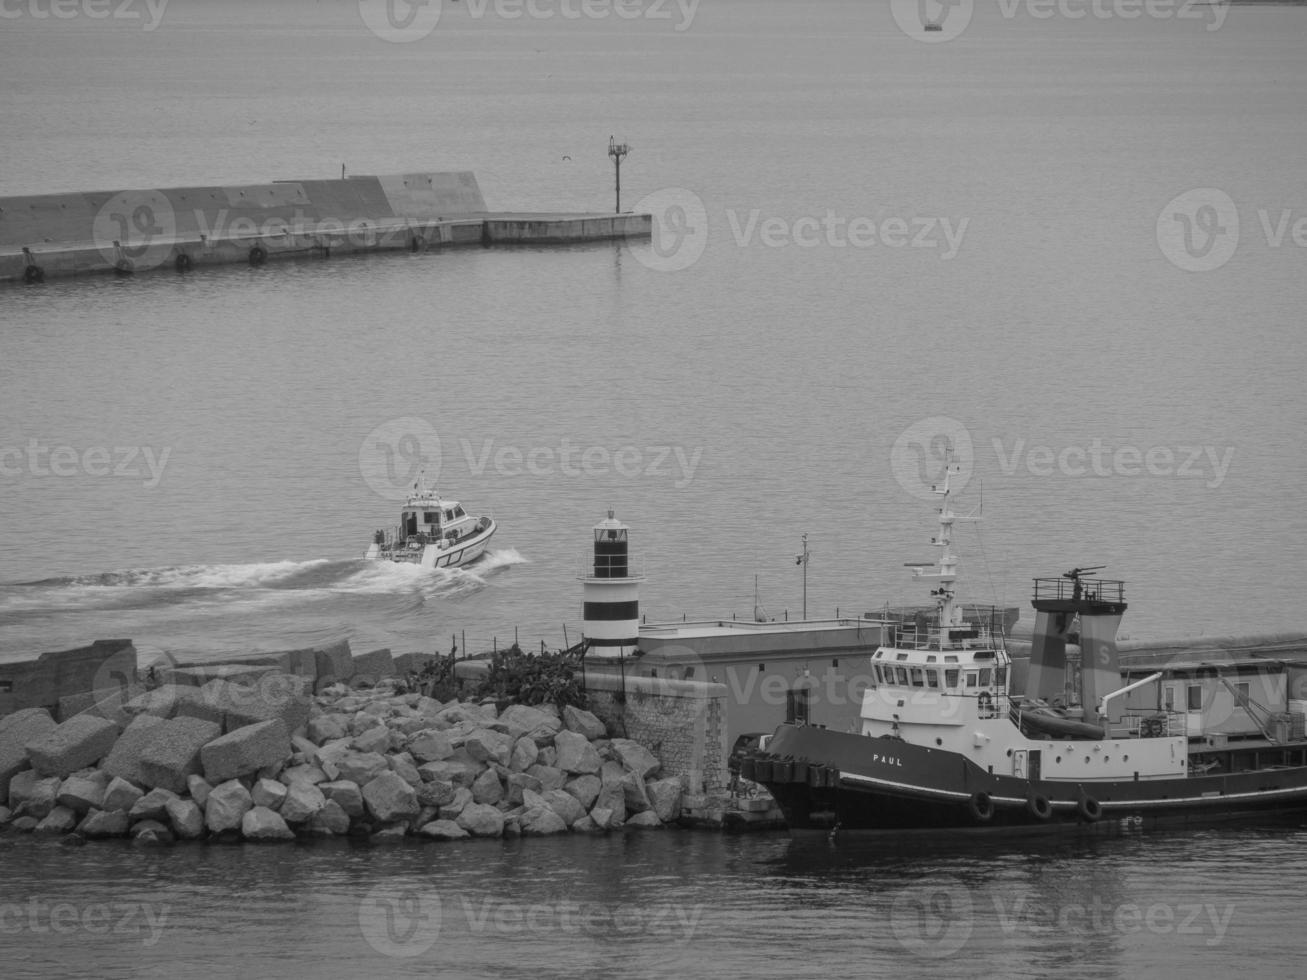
(880, 674)
(917, 680)
(432, 517)
(971, 678)
(449, 515)
(951, 677)
(986, 677)
(1000, 676)
(901, 675)
(459, 511)
(932, 677)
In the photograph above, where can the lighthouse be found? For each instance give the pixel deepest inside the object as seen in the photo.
(611, 594)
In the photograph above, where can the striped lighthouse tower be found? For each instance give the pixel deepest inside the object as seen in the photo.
(611, 594)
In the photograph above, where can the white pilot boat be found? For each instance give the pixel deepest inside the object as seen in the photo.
(434, 532)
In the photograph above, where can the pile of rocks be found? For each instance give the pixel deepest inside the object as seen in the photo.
(264, 759)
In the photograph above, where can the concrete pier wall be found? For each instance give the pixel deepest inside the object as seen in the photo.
(182, 228)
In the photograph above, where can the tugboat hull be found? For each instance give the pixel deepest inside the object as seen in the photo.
(886, 784)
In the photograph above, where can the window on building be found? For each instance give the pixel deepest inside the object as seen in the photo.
(1242, 688)
(835, 661)
(1195, 697)
(689, 673)
(1168, 697)
(796, 706)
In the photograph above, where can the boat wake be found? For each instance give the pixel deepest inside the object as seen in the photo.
(265, 583)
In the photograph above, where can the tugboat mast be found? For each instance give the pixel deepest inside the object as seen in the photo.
(950, 614)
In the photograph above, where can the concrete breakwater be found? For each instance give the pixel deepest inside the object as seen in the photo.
(252, 753)
(184, 228)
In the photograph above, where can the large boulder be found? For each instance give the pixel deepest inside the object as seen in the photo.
(269, 793)
(303, 800)
(437, 794)
(33, 795)
(451, 771)
(575, 754)
(226, 806)
(172, 752)
(520, 719)
(430, 745)
(481, 820)
(551, 777)
(518, 783)
(665, 798)
(330, 821)
(124, 759)
(443, 830)
(526, 753)
(81, 741)
(261, 824)
(186, 818)
(374, 739)
(637, 798)
(59, 820)
(346, 794)
(245, 750)
(152, 805)
(165, 701)
(565, 805)
(403, 767)
(83, 791)
(612, 797)
(119, 794)
(451, 810)
(284, 696)
(16, 731)
(100, 824)
(636, 757)
(646, 818)
(488, 745)
(334, 663)
(582, 721)
(389, 798)
(585, 789)
(542, 820)
(328, 727)
(373, 666)
(361, 767)
(487, 788)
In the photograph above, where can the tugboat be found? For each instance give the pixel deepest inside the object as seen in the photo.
(946, 742)
(434, 532)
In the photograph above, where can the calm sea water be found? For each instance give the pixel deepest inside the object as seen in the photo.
(1119, 410)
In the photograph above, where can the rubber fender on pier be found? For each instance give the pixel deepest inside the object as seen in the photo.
(1039, 806)
(981, 807)
(182, 263)
(801, 770)
(782, 771)
(258, 255)
(816, 776)
(747, 769)
(33, 273)
(762, 770)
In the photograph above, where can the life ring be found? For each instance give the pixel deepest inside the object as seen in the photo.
(981, 807)
(258, 255)
(1089, 808)
(1039, 806)
(33, 273)
(182, 263)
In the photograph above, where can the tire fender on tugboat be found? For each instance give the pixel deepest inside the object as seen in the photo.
(1088, 808)
(981, 807)
(1039, 806)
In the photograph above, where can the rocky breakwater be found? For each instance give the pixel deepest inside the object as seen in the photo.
(266, 760)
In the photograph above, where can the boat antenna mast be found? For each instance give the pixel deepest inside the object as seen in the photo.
(946, 569)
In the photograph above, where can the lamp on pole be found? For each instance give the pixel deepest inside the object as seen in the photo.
(803, 560)
(617, 151)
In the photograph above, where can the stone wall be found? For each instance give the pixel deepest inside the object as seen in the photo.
(682, 722)
(104, 666)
